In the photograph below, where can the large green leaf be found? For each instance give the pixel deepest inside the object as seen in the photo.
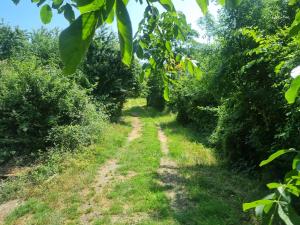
(276, 155)
(203, 5)
(292, 92)
(221, 2)
(69, 13)
(167, 4)
(284, 216)
(85, 6)
(75, 40)
(110, 12)
(124, 31)
(250, 205)
(46, 14)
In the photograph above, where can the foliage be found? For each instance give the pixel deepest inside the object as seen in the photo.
(37, 103)
(278, 205)
(194, 98)
(12, 41)
(161, 40)
(75, 40)
(111, 81)
(44, 46)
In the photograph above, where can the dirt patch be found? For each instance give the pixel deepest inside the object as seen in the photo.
(98, 203)
(6, 208)
(163, 141)
(136, 129)
(104, 176)
(169, 177)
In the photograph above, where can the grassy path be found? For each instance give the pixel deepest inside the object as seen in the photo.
(152, 172)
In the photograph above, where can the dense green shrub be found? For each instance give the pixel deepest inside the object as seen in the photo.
(40, 108)
(240, 82)
(195, 104)
(111, 80)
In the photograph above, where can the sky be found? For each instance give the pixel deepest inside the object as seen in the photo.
(26, 14)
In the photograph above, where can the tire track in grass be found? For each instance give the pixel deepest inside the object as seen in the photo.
(106, 175)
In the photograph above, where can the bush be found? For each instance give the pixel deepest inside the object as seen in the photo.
(196, 105)
(40, 108)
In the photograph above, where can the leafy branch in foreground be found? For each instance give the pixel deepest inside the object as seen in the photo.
(159, 41)
(75, 40)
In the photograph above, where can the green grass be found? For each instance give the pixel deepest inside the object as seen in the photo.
(136, 196)
(57, 201)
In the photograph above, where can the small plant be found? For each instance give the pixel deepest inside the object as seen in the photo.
(279, 202)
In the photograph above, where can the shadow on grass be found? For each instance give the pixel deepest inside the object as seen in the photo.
(210, 196)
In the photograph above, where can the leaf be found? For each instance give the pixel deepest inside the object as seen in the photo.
(250, 205)
(46, 14)
(166, 93)
(296, 163)
(16, 2)
(69, 13)
(198, 73)
(221, 2)
(273, 185)
(203, 4)
(190, 67)
(292, 189)
(275, 155)
(124, 31)
(292, 92)
(284, 216)
(168, 46)
(167, 4)
(111, 13)
(142, 76)
(259, 210)
(75, 40)
(57, 3)
(86, 6)
(41, 2)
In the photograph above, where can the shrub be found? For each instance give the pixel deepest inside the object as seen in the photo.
(195, 104)
(39, 107)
